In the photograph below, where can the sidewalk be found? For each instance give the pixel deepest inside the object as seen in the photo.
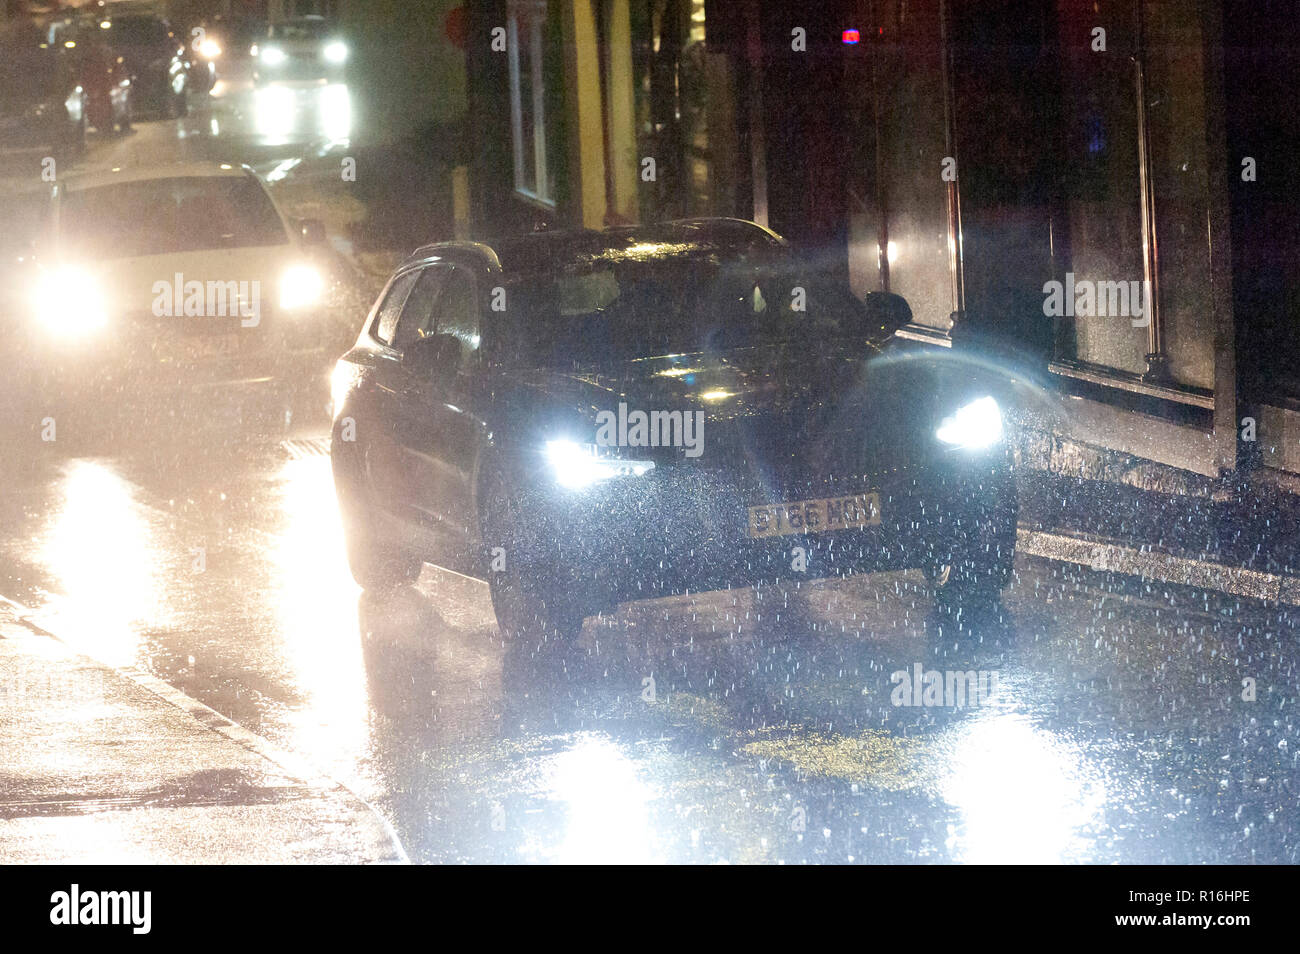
(1239, 536)
(109, 767)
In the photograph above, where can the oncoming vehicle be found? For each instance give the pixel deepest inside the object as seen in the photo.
(587, 418)
(304, 49)
(188, 268)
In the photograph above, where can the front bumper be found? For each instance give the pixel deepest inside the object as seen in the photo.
(680, 529)
(151, 356)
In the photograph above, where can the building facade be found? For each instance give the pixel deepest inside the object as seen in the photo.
(1090, 192)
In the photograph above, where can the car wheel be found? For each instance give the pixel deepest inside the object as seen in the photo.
(531, 605)
(376, 563)
(979, 566)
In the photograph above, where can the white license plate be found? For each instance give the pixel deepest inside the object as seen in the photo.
(824, 515)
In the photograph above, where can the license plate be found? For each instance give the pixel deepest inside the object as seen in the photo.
(824, 515)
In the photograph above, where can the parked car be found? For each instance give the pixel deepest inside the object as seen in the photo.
(42, 106)
(302, 49)
(177, 273)
(586, 418)
(156, 59)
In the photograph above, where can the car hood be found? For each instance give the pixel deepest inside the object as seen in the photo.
(795, 409)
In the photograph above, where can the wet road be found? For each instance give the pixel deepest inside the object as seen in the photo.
(749, 725)
(211, 557)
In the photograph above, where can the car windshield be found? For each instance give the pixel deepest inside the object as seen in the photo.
(300, 30)
(162, 216)
(616, 310)
(137, 31)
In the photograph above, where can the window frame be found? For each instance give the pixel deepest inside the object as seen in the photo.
(538, 162)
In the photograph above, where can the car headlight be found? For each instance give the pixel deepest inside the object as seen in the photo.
(209, 49)
(272, 56)
(336, 52)
(69, 301)
(975, 426)
(577, 465)
(300, 286)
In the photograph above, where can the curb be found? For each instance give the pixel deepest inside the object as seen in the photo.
(1161, 566)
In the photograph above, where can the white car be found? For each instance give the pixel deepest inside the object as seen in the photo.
(190, 267)
(303, 49)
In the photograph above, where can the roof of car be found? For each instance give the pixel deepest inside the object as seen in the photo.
(540, 251)
(175, 170)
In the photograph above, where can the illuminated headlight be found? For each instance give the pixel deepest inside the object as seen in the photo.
(975, 426)
(336, 52)
(209, 49)
(273, 56)
(577, 465)
(301, 286)
(69, 301)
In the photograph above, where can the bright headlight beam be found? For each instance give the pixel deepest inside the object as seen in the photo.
(576, 465)
(975, 426)
(273, 56)
(336, 52)
(301, 286)
(69, 301)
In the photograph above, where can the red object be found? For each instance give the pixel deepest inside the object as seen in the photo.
(851, 36)
(456, 27)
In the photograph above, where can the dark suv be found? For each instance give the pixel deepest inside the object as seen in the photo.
(586, 418)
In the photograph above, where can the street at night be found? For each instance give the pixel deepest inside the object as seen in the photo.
(611, 432)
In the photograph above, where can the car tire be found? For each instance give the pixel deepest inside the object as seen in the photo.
(980, 565)
(531, 605)
(376, 564)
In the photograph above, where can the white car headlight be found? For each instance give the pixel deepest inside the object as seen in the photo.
(69, 301)
(975, 426)
(209, 49)
(576, 465)
(336, 52)
(272, 56)
(300, 286)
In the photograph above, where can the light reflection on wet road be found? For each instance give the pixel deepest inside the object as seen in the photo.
(1116, 733)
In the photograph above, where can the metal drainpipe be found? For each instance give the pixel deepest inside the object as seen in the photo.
(1157, 361)
(956, 261)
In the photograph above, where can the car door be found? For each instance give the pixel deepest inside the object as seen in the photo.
(407, 308)
(440, 428)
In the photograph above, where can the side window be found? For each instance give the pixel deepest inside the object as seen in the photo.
(386, 320)
(458, 313)
(417, 319)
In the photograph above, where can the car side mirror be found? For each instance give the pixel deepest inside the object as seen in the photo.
(433, 357)
(312, 231)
